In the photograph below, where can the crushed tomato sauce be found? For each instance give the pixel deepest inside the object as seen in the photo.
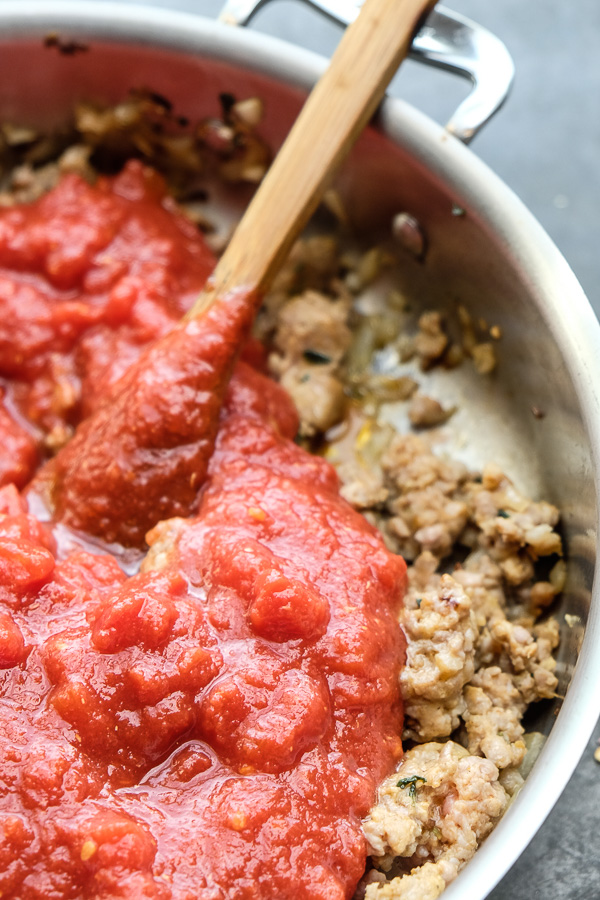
(216, 724)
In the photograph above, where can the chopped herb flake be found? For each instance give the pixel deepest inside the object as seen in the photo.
(411, 783)
(315, 356)
(503, 514)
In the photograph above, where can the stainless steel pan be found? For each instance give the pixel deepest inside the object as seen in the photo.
(494, 257)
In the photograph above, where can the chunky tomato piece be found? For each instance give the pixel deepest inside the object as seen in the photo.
(215, 724)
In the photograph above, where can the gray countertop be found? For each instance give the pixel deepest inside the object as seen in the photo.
(545, 144)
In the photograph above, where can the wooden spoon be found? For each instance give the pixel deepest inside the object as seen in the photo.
(142, 457)
(335, 113)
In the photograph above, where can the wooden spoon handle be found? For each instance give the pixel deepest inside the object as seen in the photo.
(338, 108)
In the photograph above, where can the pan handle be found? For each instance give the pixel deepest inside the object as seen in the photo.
(447, 40)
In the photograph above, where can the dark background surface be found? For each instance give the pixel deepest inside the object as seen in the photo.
(545, 144)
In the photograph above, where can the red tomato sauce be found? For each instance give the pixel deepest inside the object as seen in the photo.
(215, 725)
